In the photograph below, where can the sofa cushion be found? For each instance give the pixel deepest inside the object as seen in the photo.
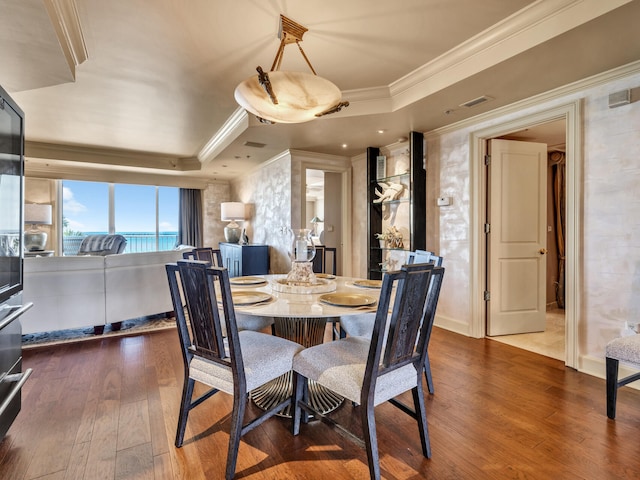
(102, 244)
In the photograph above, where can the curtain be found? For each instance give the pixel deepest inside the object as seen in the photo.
(559, 209)
(190, 217)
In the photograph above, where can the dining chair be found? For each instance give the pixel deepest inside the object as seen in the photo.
(207, 254)
(424, 256)
(362, 325)
(214, 258)
(237, 364)
(627, 350)
(372, 371)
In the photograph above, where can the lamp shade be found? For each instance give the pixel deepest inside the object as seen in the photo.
(232, 211)
(37, 214)
(301, 97)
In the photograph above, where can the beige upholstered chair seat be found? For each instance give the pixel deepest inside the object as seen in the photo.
(340, 366)
(625, 350)
(264, 358)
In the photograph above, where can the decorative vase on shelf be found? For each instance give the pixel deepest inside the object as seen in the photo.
(302, 251)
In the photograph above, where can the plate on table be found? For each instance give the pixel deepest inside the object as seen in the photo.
(328, 276)
(347, 299)
(247, 281)
(249, 298)
(368, 283)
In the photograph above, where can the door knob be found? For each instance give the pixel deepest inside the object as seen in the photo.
(543, 251)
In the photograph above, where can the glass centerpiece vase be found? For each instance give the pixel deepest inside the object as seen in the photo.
(302, 251)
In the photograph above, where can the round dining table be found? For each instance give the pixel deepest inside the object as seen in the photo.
(300, 313)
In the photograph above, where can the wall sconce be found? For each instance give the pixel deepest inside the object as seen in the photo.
(35, 214)
(230, 212)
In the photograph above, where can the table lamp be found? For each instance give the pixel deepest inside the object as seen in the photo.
(35, 214)
(315, 221)
(230, 212)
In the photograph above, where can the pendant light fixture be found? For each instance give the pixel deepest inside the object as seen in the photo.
(281, 96)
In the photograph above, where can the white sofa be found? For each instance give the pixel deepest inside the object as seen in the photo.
(92, 291)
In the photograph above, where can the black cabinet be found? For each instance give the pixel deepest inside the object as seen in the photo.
(246, 259)
(397, 204)
(325, 260)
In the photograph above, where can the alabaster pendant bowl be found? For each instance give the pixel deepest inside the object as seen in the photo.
(301, 96)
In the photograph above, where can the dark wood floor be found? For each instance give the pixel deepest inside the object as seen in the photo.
(107, 409)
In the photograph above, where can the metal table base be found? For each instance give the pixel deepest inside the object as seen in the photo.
(307, 332)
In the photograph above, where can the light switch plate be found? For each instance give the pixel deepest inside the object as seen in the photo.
(444, 201)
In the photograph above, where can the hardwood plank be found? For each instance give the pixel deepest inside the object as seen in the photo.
(133, 425)
(160, 441)
(108, 409)
(78, 461)
(162, 466)
(135, 463)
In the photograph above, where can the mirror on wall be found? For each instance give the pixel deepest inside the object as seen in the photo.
(314, 211)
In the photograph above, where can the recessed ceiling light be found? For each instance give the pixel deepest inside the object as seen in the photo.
(344, 145)
(381, 131)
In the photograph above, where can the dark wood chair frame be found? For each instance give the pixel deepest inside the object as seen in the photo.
(613, 384)
(407, 342)
(207, 254)
(203, 336)
(437, 261)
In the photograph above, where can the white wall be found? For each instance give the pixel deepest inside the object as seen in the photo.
(269, 191)
(610, 260)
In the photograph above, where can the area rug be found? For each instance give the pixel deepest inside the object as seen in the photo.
(129, 327)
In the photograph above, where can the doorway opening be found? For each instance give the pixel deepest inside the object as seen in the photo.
(549, 342)
(326, 209)
(571, 114)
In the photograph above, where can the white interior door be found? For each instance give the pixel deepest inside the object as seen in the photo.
(517, 240)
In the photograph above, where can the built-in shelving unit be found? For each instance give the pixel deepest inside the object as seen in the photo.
(396, 200)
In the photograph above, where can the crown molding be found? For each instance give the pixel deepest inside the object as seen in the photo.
(66, 23)
(114, 157)
(68, 170)
(632, 68)
(237, 123)
(525, 29)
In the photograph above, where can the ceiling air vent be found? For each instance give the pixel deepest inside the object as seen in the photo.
(475, 101)
(254, 144)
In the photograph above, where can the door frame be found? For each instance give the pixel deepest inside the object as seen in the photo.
(572, 114)
(344, 169)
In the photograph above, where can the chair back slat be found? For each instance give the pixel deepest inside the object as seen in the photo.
(406, 317)
(419, 256)
(424, 256)
(178, 308)
(204, 317)
(435, 284)
(205, 254)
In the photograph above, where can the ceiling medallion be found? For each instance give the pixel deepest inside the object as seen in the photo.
(288, 97)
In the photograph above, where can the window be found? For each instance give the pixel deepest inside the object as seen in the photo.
(147, 216)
